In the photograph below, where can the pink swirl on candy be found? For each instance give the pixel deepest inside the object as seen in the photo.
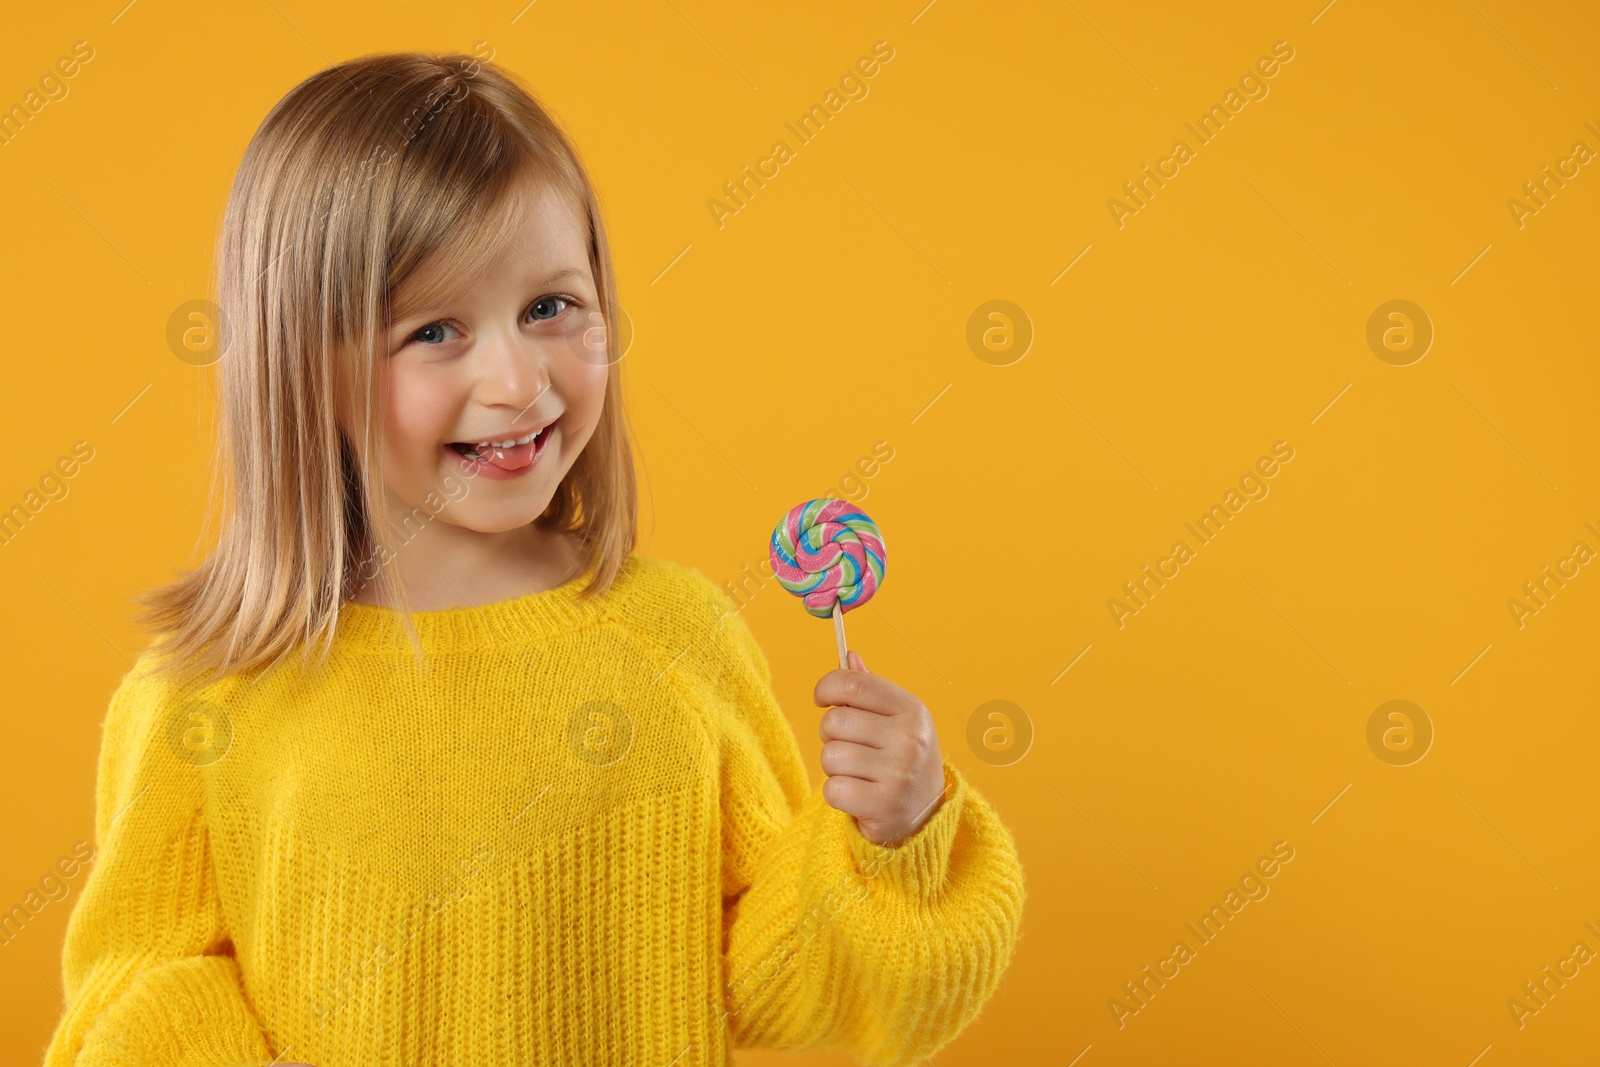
(828, 552)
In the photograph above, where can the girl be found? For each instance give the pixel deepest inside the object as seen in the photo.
(532, 800)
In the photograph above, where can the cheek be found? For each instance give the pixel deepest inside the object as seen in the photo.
(585, 390)
(417, 413)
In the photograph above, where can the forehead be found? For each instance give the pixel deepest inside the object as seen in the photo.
(548, 240)
(537, 232)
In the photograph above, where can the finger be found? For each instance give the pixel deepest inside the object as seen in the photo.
(861, 689)
(853, 760)
(853, 796)
(857, 663)
(855, 724)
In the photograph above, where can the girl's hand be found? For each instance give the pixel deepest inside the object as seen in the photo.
(881, 753)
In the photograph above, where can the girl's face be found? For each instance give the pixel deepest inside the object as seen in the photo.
(508, 358)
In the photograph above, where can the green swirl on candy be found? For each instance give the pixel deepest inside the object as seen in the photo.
(828, 551)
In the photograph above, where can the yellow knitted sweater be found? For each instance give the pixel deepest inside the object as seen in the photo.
(584, 835)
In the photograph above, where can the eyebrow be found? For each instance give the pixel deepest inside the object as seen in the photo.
(563, 273)
(420, 313)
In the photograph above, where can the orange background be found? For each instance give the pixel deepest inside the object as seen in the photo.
(832, 311)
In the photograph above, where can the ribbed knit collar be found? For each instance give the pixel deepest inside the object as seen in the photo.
(536, 615)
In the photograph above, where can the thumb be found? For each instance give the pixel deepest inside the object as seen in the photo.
(856, 662)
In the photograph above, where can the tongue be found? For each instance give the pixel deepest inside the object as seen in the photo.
(511, 459)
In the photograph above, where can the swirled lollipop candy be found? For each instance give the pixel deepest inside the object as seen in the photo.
(830, 554)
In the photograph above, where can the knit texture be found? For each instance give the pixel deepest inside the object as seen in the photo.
(584, 834)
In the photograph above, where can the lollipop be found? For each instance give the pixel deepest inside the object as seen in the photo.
(830, 554)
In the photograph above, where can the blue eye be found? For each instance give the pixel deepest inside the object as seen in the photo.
(546, 302)
(544, 309)
(431, 334)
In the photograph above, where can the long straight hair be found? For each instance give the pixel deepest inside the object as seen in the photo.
(374, 171)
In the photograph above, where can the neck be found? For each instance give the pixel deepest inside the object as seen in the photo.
(446, 566)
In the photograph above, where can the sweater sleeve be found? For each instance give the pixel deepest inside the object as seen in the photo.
(147, 965)
(832, 941)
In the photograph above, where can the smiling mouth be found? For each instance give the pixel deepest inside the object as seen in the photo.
(488, 452)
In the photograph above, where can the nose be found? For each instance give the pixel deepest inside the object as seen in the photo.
(513, 371)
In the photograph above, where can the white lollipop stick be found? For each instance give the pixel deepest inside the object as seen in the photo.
(838, 633)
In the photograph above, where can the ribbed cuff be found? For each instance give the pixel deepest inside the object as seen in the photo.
(917, 866)
(189, 1012)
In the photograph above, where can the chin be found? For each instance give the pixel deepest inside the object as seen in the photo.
(499, 520)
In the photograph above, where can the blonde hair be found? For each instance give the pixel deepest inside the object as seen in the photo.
(357, 177)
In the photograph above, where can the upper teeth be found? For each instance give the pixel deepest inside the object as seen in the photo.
(509, 443)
